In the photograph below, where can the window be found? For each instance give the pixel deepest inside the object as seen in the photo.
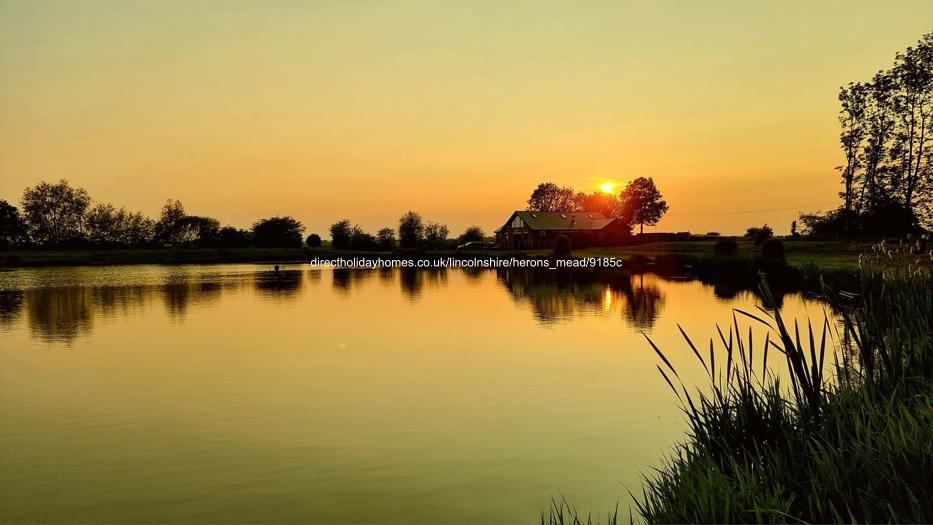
(517, 222)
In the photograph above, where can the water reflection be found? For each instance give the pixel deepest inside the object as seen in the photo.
(66, 309)
(414, 281)
(278, 282)
(11, 302)
(557, 295)
(59, 314)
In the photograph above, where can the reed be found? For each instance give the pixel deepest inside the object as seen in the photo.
(849, 439)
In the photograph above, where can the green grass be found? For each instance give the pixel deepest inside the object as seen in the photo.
(849, 439)
(830, 255)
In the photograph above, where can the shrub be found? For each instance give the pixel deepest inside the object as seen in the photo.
(726, 247)
(313, 241)
(471, 234)
(562, 247)
(759, 235)
(277, 232)
(772, 250)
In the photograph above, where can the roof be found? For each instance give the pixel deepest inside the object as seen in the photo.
(556, 220)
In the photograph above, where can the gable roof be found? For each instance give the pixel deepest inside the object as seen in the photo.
(557, 220)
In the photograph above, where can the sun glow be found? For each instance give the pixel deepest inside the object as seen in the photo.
(607, 187)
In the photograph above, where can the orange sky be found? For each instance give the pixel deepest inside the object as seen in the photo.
(359, 109)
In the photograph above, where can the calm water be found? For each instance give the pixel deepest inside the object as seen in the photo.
(232, 394)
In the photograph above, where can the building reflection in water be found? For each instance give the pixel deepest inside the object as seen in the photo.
(559, 295)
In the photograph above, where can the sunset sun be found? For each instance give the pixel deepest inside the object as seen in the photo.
(218, 219)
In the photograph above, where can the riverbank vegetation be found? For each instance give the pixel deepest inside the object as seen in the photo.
(825, 423)
(849, 439)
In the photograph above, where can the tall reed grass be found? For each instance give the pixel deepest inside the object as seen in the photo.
(849, 439)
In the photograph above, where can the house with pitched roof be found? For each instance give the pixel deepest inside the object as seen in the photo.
(528, 230)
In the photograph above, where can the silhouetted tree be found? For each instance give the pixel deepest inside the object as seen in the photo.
(886, 129)
(410, 230)
(278, 232)
(759, 235)
(231, 237)
(550, 197)
(600, 202)
(313, 241)
(165, 228)
(55, 213)
(12, 226)
(361, 240)
(435, 234)
(643, 203)
(340, 233)
(108, 226)
(386, 239)
(193, 230)
(472, 234)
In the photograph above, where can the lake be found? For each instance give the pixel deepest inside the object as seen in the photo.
(237, 394)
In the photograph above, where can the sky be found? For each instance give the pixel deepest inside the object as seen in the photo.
(455, 109)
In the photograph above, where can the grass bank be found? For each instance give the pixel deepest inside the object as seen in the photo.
(828, 255)
(846, 437)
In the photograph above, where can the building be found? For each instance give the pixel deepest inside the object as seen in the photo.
(539, 230)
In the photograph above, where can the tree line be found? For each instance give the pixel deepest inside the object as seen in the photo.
(886, 128)
(413, 233)
(639, 202)
(62, 216)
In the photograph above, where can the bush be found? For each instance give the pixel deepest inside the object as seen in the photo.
(772, 250)
(562, 247)
(472, 234)
(759, 235)
(313, 241)
(277, 232)
(726, 247)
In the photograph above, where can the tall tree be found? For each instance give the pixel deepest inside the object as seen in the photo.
(913, 104)
(12, 226)
(172, 212)
(340, 234)
(550, 197)
(386, 239)
(55, 213)
(472, 234)
(109, 226)
(643, 202)
(885, 137)
(435, 234)
(852, 119)
(278, 232)
(410, 230)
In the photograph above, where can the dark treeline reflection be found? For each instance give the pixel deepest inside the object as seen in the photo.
(556, 295)
(65, 313)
